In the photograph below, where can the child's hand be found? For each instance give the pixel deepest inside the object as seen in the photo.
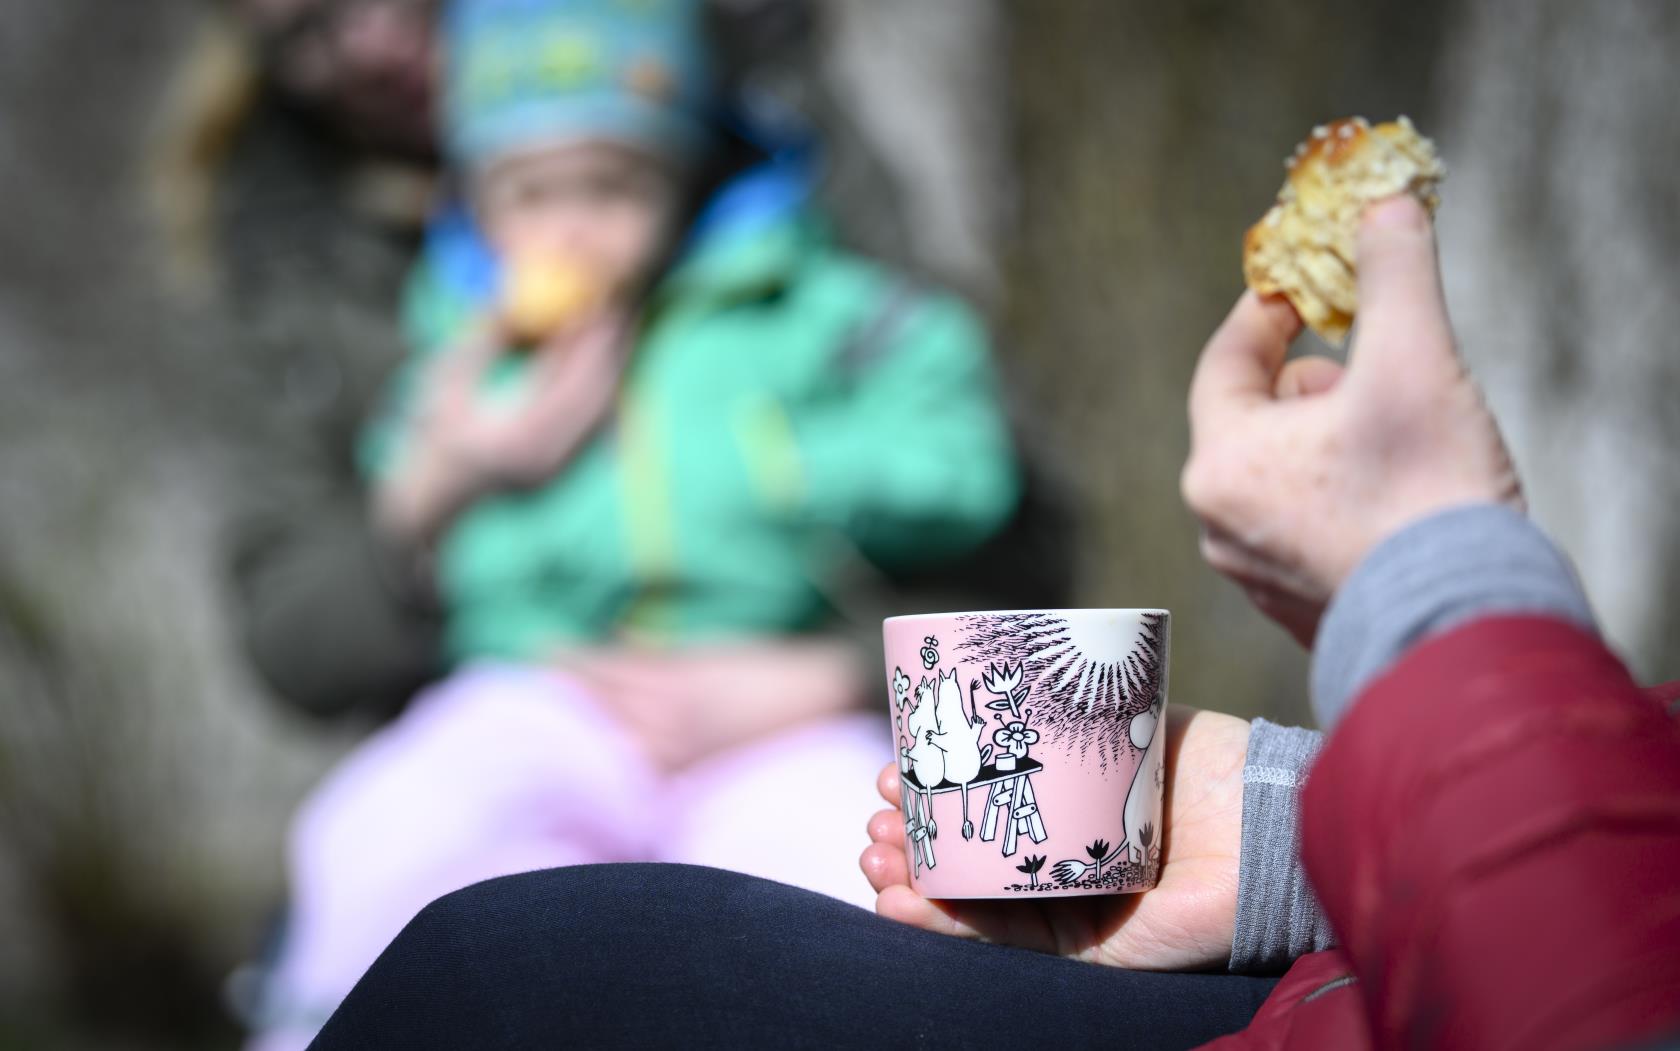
(687, 704)
(467, 443)
(527, 437)
(1186, 921)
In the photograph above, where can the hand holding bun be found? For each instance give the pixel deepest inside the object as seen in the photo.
(1305, 246)
(1300, 468)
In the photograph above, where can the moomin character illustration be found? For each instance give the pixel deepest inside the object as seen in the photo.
(1142, 801)
(958, 738)
(1139, 816)
(927, 760)
(944, 744)
(944, 752)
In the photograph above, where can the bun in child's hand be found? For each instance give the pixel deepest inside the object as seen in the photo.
(543, 295)
(1304, 247)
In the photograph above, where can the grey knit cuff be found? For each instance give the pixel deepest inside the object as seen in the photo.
(1278, 918)
(1436, 574)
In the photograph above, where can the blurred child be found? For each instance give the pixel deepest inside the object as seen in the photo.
(638, 446)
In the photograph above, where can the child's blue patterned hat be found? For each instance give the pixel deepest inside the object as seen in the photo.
(522, 73)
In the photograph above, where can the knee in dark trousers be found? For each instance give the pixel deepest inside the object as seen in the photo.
(678, 955)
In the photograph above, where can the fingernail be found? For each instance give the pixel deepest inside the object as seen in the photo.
(1398, 212)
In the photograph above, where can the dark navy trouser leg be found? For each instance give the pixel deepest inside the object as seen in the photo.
(679, 956)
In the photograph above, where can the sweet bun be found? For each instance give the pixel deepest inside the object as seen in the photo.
(1304, 247)
(543, 295)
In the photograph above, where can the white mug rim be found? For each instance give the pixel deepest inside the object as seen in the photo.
(1132, 611)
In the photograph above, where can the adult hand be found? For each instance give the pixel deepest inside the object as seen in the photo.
(1185, 922)
(686, 704)
(1297, 471)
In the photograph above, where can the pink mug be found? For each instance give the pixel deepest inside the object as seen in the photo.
(1030, 749)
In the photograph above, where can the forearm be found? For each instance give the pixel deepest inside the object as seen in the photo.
(1453, 567)
(1278, 918)
(1446, 570)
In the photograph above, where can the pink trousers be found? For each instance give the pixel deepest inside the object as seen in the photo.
(503, 769)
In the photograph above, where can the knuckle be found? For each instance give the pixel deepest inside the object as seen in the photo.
(1209, 549)
(1220, 558)
(1195, 483)
(1206, 484)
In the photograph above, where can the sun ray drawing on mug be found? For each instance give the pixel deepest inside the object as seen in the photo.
(1085, 683)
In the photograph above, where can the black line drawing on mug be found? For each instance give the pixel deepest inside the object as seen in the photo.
(1143, 799)
(1095, 691)
(1031, 866)
(927, 770)
(900, 697)
(945, 755)
(1110, 868)
(958, 737)
(1087, 681)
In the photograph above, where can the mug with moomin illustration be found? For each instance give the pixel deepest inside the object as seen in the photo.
(1030, 749)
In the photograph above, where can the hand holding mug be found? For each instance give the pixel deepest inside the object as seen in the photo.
(1185, 922)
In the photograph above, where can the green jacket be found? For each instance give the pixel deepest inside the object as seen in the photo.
(786, 405)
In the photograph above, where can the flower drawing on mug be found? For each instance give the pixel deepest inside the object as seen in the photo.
(900, 698)
(930, 652)
(1031, 867)
(1007, 684)
(900, 688)
(1009, 687)
(1015, 738)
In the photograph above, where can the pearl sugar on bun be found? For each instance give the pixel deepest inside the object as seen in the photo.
(1305, 246)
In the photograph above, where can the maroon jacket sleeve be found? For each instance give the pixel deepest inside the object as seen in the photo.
(1494, 832)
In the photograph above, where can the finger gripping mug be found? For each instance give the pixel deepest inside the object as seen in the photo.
(1031, 749)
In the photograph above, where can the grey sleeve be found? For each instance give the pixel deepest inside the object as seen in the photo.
(1436, 574)
(1278, 918)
